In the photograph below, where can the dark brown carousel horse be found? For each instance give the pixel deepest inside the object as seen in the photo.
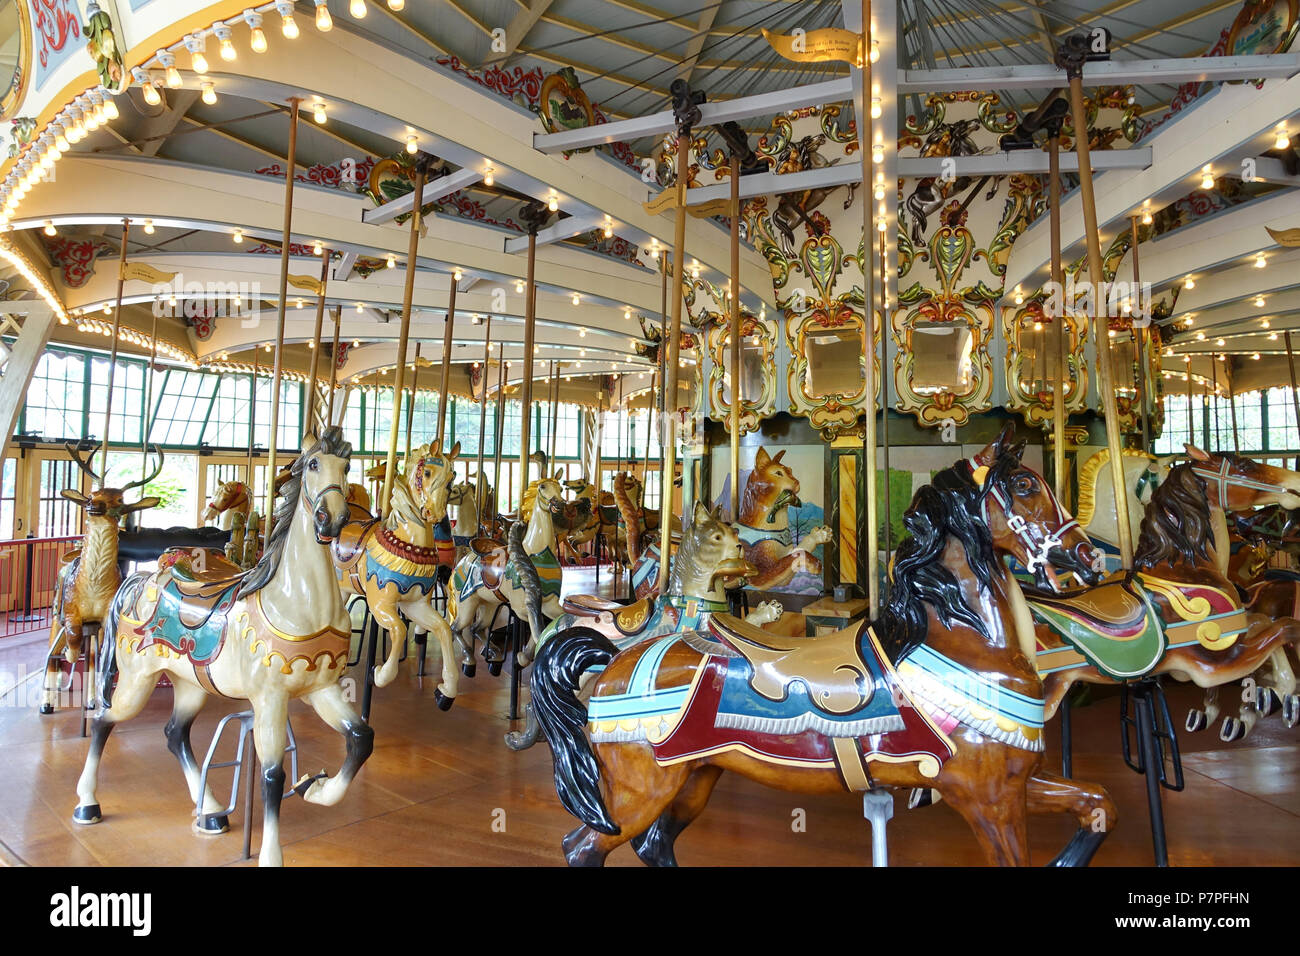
(1177, 612)
(949, 698)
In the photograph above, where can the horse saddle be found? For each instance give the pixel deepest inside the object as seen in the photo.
(348, 546)
(588, 605)
(837, 677)
(1113, 626)
(492, 561)
(485, 546)
(193, 577)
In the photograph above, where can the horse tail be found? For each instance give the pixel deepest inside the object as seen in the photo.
(528, 577)
(563, 720)
(631, 516)
(125, 597)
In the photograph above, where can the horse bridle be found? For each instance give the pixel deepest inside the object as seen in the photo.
(1224, 479)
(1037, 549)
(313, 504)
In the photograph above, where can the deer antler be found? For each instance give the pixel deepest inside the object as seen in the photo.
(84, 465)
(156, 472)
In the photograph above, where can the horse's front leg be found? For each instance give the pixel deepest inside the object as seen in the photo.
(270, 735)
(384, 608)
(333, 708)
(421, 613)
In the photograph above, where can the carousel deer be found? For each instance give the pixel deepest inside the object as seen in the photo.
(89, 576)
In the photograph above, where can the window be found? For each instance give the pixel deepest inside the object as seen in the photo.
(128, 399)
(1265, 421)
(228, 424)
(290, 421)
(57, 516)
(181, 407)
(56, 398)
(8, 496)
(568, 431)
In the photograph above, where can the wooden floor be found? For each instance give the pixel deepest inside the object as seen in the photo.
(442, 789)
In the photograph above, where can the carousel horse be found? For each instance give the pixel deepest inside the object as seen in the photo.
(233, 499)
(393, 564)
(948, 699)
(1176, 612)
(587, 519)
(466, 526)
(1240, 485)
(524, 574)
(430, 477)
(764, 525)
(268, 636)
(357, 495)
(89, 576)
(708, 563)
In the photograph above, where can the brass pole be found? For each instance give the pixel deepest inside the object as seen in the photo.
(147, 419)
(412, 252)
(1295, 393)
(868, 324)
(482, 413)
(1100, 325)
(650, 420)
(498, 431)
(1058, 321)
(1232, 406)
(1214, 401)
(735, 337)
(334, 365)
(410, 405)
(252, 428)
(673, 342)
(1139, 342)
(448, 328)
(286, 241)
(1191, 428)
(112, 362)
(526, 379)
(884, 404)
(555, 413)
(316, 342)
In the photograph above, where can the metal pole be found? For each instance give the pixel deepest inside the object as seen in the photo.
(1139, 343)
(1214, 401)
(1058, 321)
(884, 405)
(1232, 406)
(334, 365)
(482, 414)
(410, 406)
(1295, 393)
(863, 111)
(412, 251)
(555, 411)
(526, 379)
(112, 362)
(498, 430)
(286, 241)
(1100, 336)
(673, 343)
(317, 346)
(444, 397)
(735, 337)
(147, 419)
(252, 428)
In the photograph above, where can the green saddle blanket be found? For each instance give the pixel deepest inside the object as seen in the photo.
(1115, 626)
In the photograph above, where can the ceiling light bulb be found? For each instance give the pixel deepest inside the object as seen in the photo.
(209, 94)
(875, 107)
(267, 347)
(582, 333)
(1189, 284)
(412, 145)
(1200, 336)
(108, 309)
(1255, 356)
(356, 343)
(553, 203)
(878, 153)
(1219, 342)
(196, 45)
(1146, 218)
(49, 228)
(288, 25)
(397, 6)
(488, 178)
(880, 191)
(318, 113)
(228, 52)
(1259, 301)
(1283, 141)
(360, 309)
(110, 110)
(577, 299)
(151, 94)
(324, 22)
(299, 303)
(148, 227)
(392, 261)
(1260, 261)
(358, 9)
(1272, 336)
(1264, 324)
(317, 248)
(1207, 178)
(875, 51)
(519, 287)
(257, 37)
(239, 236)
(457, 274)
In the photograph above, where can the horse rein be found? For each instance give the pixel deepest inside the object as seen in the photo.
(1036, 549)
(1224, 479)
(313, 504)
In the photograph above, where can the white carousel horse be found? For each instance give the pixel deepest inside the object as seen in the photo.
(269, 635)
(466, 526)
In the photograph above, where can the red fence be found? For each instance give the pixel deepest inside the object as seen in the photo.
(28, 570)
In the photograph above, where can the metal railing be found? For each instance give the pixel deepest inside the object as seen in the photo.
(29, 569)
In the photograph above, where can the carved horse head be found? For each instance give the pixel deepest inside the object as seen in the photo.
(430, 473)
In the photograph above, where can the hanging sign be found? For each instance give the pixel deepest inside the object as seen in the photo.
(1285, 237)
(146, 273)
(817, 46)
(307, 283)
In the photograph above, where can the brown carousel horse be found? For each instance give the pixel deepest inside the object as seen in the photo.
(232, 499)
(948, 699)
(268, 636)
(1177, 612)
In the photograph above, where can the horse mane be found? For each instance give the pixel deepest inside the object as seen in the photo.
(1088, 475)
(330, 443)
(402, 505)
(1177, 522)
(949, 507)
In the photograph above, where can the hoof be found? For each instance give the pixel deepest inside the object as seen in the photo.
(1291, 709)
(494, 668)
(1232, 730)
(444, 702)
(303, 785)
(87, 815)
(920, 797)
(47, 708)
(469, 670)
(211, 824)
(520, 740)
(1081, 848)
(1267, 701)
(1195, 721)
